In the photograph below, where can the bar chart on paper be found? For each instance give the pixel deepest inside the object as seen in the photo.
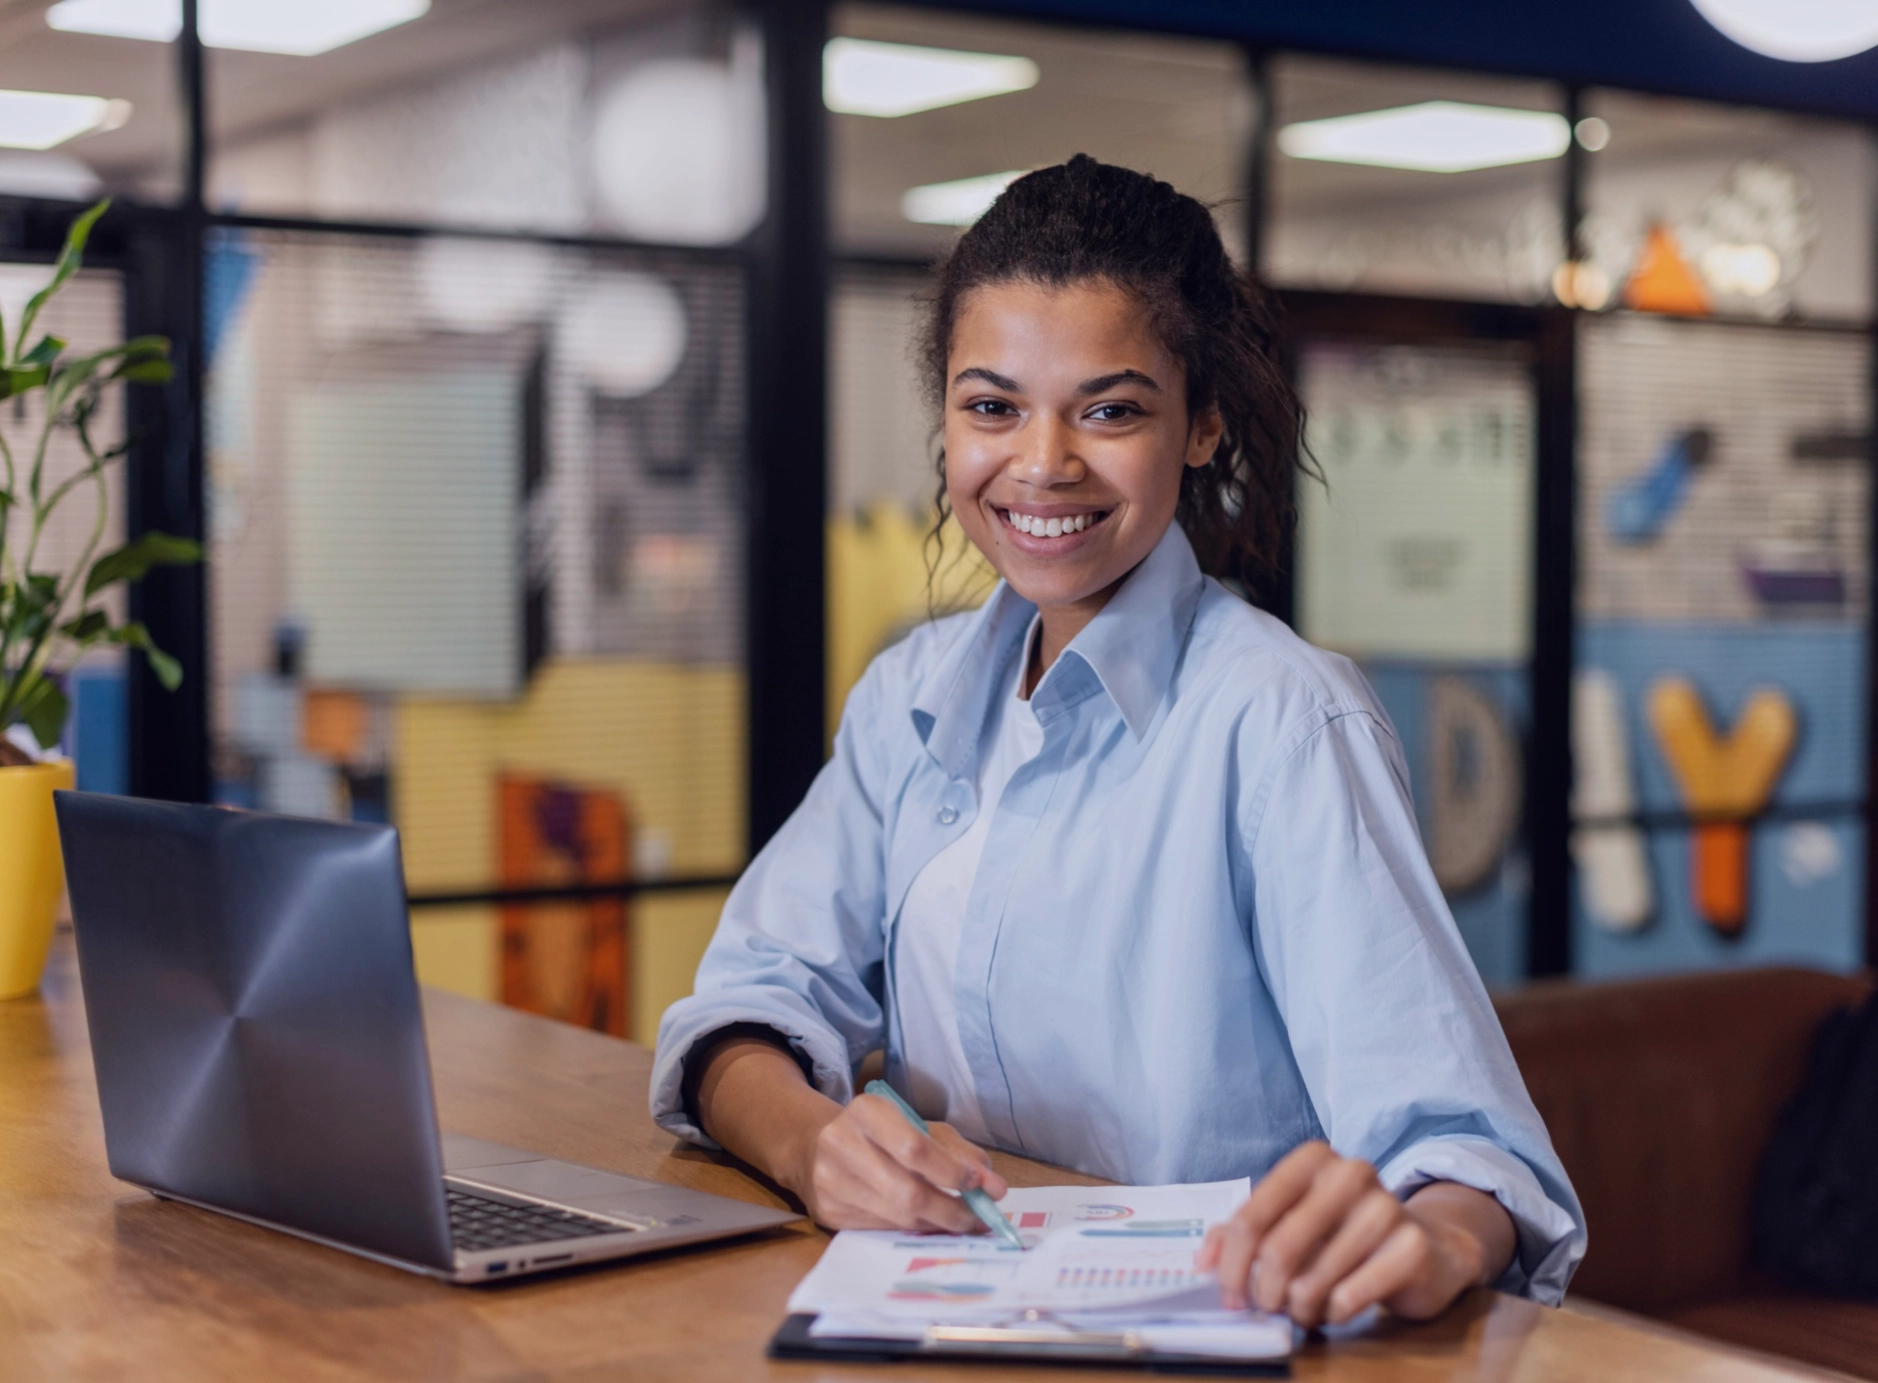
(1112, 1277)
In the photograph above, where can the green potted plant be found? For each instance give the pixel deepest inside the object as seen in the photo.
(49, 618)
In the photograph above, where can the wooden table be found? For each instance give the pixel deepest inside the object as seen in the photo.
(100, 1281)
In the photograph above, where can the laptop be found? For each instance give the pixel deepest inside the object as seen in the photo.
(260, 1052)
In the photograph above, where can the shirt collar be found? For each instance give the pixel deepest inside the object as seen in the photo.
(1130, 649)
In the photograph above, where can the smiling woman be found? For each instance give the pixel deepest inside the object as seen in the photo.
(1172, 361)
(1118, 870)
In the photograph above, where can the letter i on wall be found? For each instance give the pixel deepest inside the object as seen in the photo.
(1612, 864)
(1723, 782)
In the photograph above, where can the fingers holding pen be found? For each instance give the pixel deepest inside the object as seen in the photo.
(871, 1169)
(939, 1154)
(857, 1183)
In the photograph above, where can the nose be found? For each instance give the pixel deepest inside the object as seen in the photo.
(1046, 455)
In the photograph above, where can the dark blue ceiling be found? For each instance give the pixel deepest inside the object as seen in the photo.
(1649, 45)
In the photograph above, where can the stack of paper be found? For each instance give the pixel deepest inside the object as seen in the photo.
(1109, 1259)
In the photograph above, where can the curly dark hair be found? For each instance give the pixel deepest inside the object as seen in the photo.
(1086, 220)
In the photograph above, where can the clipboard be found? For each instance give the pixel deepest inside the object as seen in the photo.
(1027, 1344)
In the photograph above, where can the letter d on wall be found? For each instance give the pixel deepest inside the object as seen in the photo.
(1474, 798)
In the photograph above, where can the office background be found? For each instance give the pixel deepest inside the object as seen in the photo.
(546, 407)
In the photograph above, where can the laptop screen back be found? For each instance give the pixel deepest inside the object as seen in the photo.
(254, 1018)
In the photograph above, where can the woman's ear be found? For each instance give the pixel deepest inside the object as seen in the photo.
(1203, 436)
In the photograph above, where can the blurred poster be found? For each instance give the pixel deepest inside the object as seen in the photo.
(1419, 544)
(567, 959)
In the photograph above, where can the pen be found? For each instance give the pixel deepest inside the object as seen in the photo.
(982, 1205)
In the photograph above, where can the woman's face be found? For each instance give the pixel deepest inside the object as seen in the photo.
(1066, 434)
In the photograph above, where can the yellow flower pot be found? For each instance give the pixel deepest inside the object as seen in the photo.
(32, 872)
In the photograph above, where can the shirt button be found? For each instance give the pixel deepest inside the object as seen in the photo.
(947, 815)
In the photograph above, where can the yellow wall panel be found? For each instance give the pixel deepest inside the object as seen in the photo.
(455, 949)
(670, 932)
(878, 588)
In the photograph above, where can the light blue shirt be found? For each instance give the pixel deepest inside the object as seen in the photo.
(1203, 929)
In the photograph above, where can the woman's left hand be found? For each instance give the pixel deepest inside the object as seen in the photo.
(1321, 1240)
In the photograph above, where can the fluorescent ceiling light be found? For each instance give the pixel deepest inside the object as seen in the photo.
(41, 119)
(1796, 30)
(299, 27)
(957, 203)
(1433, 137)
(862, 77)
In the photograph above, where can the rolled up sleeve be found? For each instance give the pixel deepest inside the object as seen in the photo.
(1549, 1240)
(1391, 1028)
(799, 946)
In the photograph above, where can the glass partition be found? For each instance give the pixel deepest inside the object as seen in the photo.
(1697, 210)
(905, 180)
(476, 557)
(1415, 559)
(543, 117)
(1406, 180)
(87, 113)
(1720, 702)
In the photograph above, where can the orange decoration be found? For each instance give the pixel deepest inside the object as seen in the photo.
(565, 959)
(333, 725)
(1663, 280)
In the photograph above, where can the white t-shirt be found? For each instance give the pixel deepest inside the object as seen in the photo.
(926, 944)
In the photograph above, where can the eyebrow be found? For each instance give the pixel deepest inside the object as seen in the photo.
(1103, 383)
(991, 377)
(1099, 384)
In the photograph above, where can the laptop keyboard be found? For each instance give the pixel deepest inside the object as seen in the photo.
(478, 1222)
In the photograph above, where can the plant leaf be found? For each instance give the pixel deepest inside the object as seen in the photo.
(70, 257)
(135, 558)
(144, 372)
(45, 352)
(17, 380)
(43, 710)
(133, 635)
(91, 625)
(139, 354)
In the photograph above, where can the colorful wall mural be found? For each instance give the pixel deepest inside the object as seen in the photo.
(1719, 731)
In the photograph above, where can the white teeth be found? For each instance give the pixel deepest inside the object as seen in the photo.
(1049, 528)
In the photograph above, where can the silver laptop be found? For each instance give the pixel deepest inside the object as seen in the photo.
(260, 1052)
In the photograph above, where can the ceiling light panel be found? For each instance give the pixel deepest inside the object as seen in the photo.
(301, 28)
(957, 203)
(1433, 137)
(862, 77)
(41, 119)
(1796, 30)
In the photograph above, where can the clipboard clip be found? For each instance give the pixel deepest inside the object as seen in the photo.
(1035, 1328)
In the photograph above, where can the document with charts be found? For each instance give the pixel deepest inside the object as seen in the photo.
(1106, 1258)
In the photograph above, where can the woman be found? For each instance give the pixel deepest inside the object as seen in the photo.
(1120, 872)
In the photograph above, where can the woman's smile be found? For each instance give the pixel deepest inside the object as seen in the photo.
(1049, 530)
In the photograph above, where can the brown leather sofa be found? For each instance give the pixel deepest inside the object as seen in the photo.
(1660, 1095)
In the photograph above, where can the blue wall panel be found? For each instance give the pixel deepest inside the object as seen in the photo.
(1806, 882)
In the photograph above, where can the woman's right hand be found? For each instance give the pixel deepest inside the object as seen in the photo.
(868, 1168)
